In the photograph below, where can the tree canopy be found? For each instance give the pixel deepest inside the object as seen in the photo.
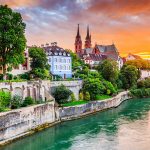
(129, 76)
(39, 62)
(12, 38)
(109, 70)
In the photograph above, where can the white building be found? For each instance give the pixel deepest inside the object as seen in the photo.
(59, 60)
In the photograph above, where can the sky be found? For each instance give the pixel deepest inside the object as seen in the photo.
(123, 22)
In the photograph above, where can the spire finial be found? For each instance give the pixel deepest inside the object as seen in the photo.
(78, 32)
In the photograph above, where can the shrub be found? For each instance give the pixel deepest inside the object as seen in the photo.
(28, 101)
(110, 89)
(16, 102)
(140, 92)
(80, 96)
(9, 76)
(61, 94)
(72, 97)
(87, 96)
(25, 76)
(1, 76)
(4, 99)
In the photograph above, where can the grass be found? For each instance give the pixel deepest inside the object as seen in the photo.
(102, 97)
(74, 103)
(14, 80)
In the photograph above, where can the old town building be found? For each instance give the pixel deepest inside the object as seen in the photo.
(94, 55)
(59, 60)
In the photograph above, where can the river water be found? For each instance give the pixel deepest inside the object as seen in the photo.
(124, 128)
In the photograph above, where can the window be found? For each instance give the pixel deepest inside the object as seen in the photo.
(55, 59)
(64, 60)
(68, 60)
(69, 67)
(49, 59)
(60, 60)
(64, 67)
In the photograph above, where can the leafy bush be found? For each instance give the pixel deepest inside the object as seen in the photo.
(1, 76)
(9, 76)
(4, 99)
(16, 102)
(110, 89)
(87, 96)
(61, 94)
(143, 92)
(25, 76)
(72, 97)
(28, 101)
(80, 96)
(94, 87)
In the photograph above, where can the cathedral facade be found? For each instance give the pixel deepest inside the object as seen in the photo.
(94, 55)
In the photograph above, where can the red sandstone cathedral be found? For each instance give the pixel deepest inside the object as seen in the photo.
(94, 55)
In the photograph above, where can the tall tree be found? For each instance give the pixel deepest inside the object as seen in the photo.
(129, 76)
(109, 70)
(39, 63)
(12, 38)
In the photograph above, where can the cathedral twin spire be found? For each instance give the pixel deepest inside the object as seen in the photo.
(78, 41)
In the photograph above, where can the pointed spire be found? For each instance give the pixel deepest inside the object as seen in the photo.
(88, 34)
(78, 32)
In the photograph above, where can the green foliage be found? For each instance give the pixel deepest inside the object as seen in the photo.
(16, 102)
(4, 99)
(140, 93)
(72, 97)
(1, 76)
(80, 96)
(12, 38)
(109, 70)
(39, 64)
(102, 97)
(27, 101)
(144, 83)
(87, 96)
(74, 103)
(25, 76)
(129, 76)
(9, 76)
(110, 89)
(76, 61)
(94, 87)
(61, 94)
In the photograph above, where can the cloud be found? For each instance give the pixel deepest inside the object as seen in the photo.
(126, 22)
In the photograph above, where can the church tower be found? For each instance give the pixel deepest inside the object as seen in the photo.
(88, 39)
(78, 42)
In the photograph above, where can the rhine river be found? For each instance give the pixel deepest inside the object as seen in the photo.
(124, 128)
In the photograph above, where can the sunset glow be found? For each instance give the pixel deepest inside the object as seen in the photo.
(125, 23)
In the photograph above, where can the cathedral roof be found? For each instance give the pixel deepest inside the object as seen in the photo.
(109, 50)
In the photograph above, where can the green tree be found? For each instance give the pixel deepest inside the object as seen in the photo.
(109, 70)
(129, 76)
(39, 63)
(94, 87)
(12, 38)
(61, 94)
(72, 97)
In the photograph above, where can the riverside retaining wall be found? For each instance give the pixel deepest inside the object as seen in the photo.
(73, 112)
(20, 121)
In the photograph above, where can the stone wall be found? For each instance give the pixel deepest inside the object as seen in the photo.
(68, 113)
(22, 120)
(35, 89)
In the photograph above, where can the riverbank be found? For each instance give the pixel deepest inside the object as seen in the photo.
(22, 122)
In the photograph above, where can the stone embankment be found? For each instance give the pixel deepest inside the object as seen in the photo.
(74, 112)
(21, 122)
